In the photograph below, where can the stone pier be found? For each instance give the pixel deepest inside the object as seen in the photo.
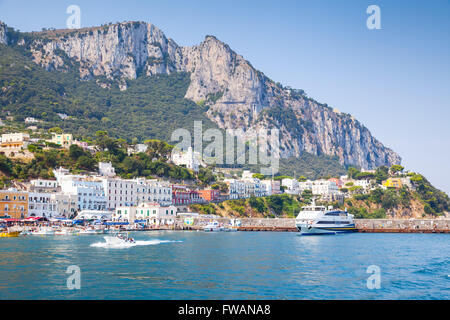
(363, 225)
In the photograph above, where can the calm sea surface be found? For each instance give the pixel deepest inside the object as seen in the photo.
(240, 265)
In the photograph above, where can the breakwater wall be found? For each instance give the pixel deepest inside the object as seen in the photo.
(363, 225)
(403, 226)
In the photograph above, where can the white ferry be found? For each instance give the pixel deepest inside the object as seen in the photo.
(315, 220)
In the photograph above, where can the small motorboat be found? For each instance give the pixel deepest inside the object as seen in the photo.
(44, 231)
(118, 239)
(213, 227)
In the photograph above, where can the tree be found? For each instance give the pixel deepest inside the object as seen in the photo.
(259, 176)
(381, 174)
(302, 179)
(75, 151)
(396, 168)
(56, 130)
(206, 176)
(352, 172)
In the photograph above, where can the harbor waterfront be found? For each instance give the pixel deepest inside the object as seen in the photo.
(363, 225)
(221, 265)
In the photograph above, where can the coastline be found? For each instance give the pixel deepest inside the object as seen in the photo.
(363, 225)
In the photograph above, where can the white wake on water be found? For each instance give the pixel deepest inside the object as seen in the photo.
(129, 245)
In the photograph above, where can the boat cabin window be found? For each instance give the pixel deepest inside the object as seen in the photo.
(335, 213)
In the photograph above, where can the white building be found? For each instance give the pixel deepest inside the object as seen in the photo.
(127, 193)
(327, 190)
(94, 215)
(138, 148)
(67, 204)
(41, 205)
(106, 169)
(272, 186)
(236, 188)
(60, 173)
(324, 187)
(31, 120)
(119, 192)
(153, 191)
(90, 192)
(153, 213)
(291, 186)
(365, 184)
(247, 174)
(43, 185)
(305, 185)
(190, 159)
(14, 141)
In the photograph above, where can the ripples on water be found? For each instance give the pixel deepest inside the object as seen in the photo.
(241, 265)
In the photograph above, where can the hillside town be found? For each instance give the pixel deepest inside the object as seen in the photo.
(104, 195)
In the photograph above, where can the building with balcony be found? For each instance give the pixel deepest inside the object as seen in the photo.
(62, 139)
(13, 204)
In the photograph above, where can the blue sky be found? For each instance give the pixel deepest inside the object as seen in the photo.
(396, 80)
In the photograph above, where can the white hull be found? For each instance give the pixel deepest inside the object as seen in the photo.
(305, 229)
(111, 240)
(116, 241)
(63, 232)
(42, 233)
(213, 229)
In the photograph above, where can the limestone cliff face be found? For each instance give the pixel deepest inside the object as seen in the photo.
(121, 51)
(242, 97)
(238, 95)
(3, 34)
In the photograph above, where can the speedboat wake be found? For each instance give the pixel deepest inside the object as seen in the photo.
(122, 245)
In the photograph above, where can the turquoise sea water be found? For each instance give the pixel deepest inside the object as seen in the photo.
(240, 265)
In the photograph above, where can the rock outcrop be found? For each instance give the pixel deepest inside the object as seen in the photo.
(238, 95)
(3, 34)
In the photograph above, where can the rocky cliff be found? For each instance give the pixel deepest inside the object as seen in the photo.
(238, 95)
(3, 34)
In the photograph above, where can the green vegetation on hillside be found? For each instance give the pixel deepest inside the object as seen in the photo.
(282, 205)
(309, 166)
(151, 107)
(150, 164)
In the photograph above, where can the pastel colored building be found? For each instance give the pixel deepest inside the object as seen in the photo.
(209, 195)
(13, 204)
(14, 141)
(393, 183)
(64, 139)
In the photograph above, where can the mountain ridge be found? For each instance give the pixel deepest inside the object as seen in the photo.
(236, 94)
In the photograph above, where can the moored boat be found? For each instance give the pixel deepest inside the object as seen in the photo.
(63, 232)
(9, 234)
(213, 227)
(316, 220)
(43, 231)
